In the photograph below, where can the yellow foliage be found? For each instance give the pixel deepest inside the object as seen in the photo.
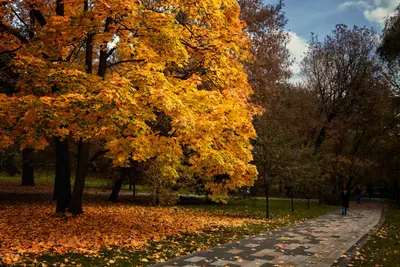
(181, 58)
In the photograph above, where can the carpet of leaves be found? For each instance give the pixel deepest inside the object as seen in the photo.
(126, 233)
(32, 228)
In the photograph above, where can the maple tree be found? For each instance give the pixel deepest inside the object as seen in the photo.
(179, 57)
(8, 79)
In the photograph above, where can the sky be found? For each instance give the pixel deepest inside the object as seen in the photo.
(321, 16)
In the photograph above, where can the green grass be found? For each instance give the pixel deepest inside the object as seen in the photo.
(47, 178)
(255, 208)
(383, 249)
(183, 244)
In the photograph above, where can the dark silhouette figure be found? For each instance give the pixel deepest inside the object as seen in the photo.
(358, 194)
(344, 196)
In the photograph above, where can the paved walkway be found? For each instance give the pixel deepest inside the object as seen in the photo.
(317, 242)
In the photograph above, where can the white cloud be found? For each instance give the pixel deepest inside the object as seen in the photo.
(358, 4)
(297, 48)
(375, 11)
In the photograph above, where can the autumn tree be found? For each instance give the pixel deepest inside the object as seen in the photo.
(8, 80)
(390, 52)
(268, 70)
(104, 70)
(265, 26)
(347, 77)
(309, 174)
(281, 136)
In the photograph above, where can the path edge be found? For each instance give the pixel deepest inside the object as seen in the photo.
(351, 252)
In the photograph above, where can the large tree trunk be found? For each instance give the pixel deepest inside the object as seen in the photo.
(81, 171)
(62, 183)
(27, 167)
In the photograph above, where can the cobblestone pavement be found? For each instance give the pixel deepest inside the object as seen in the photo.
(317, 242)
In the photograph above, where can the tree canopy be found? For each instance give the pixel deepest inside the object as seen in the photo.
(104, 70)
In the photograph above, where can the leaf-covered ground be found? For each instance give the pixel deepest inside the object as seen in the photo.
(128, 233)
(32, 228)
(383, 249)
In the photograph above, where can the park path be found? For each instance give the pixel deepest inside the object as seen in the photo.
(323, 241)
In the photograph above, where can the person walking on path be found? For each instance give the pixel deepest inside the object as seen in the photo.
(370, 190)
(358, 194)
(344, 196)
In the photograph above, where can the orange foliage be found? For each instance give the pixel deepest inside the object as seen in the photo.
(181, 58)
(32, 228)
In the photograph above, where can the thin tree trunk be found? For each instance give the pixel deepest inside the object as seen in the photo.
(308, 203)
(319, 140)
(266, 190)
(27, 167)
(103, 52)
(291, 196)
(348, 186)
(62, 183)
(83, 146)
(27, 153)
(81, 171)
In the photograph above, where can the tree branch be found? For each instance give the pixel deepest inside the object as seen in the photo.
(20, 19)
(97, 155)
(11, 51)
(124, 61)
(5, 28)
